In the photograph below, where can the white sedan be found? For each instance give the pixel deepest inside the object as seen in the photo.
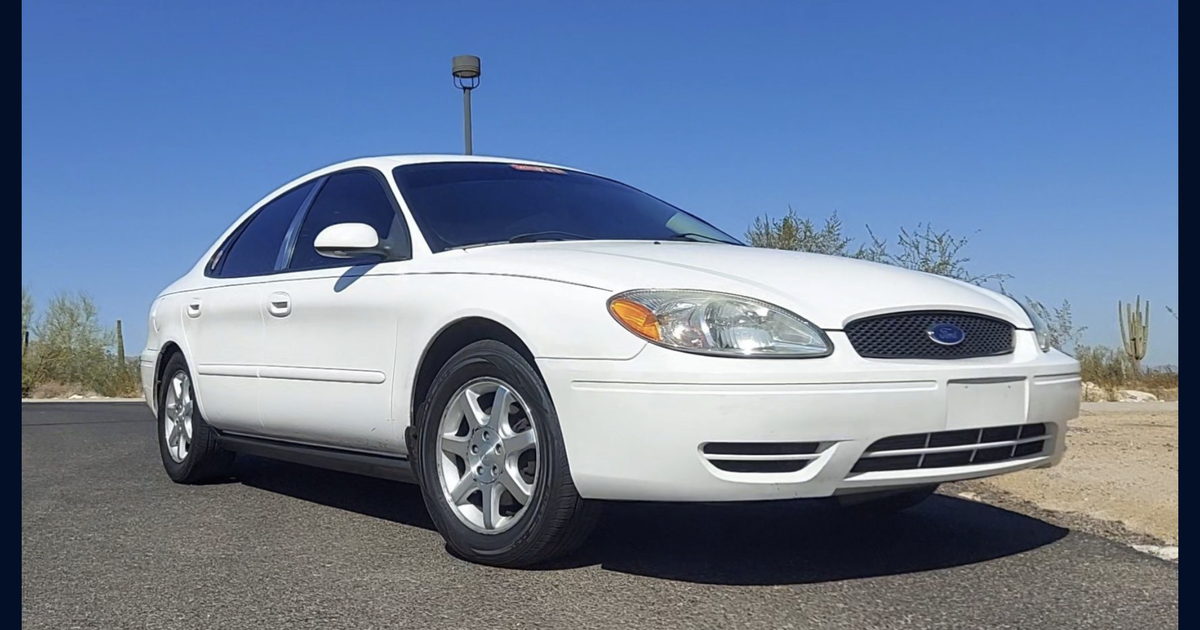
(525, 340)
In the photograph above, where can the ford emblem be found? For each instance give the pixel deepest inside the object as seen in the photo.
(946, 334)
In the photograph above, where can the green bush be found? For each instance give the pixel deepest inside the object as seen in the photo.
(921, 249)
(69, 347)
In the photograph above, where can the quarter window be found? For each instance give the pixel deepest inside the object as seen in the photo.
(350, 197)
(254, 248)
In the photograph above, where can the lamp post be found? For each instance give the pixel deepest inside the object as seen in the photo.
(466, 78)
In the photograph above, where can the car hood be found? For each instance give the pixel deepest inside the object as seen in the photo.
(827, 290)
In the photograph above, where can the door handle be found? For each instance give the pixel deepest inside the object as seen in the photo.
(279, 304)
(193, 308)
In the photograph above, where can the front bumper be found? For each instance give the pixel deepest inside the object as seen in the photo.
(638, 429)
(146, 365)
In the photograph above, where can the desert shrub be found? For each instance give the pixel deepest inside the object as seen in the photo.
(929, 250)
(54, 389)
(921, 249)
(1104, 366)
(120, 380)
(71, 343)
(1111, 369)
(791, 232)
(30, 376)
(1063, 333)
(1168, 394)
(70, 351)
(1160, 377)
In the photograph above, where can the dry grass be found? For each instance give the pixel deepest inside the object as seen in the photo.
(1111, 370)
(56, 390)
(53, 389)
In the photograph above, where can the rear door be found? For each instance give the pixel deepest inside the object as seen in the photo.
(223, 323)
(330, 325)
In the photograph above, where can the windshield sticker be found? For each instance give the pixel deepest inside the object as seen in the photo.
(538, 169)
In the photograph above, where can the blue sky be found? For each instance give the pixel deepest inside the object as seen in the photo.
(1048, 127)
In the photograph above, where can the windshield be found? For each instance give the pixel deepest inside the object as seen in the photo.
(458, 204)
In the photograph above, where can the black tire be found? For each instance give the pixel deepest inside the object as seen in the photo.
(887, 502)
(556, 520)
(205, 460)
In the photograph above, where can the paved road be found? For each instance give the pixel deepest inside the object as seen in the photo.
(109, 542)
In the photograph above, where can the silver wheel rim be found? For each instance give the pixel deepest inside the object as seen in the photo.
(488, 455)
(177, 411)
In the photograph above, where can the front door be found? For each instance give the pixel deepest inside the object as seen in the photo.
(330, 326)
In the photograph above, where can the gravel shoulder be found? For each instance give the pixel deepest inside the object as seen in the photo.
(1121, 471)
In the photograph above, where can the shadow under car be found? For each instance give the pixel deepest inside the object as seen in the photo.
(762, 543)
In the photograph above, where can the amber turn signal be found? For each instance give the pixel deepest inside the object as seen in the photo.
(637, 318)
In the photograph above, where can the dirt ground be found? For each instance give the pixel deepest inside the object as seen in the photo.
(1121, 468)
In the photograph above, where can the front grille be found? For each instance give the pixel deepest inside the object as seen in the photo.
(953, 448)
(760, 457)
(905, 336)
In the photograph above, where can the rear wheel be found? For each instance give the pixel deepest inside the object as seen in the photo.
(887, 502)
(492, 463)
(188, 446)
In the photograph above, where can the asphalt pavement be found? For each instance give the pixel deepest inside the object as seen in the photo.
(109, 542)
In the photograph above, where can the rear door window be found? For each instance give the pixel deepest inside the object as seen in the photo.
(254, 248)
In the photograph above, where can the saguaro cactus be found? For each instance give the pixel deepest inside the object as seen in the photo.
(1135, 331)
(120, 346)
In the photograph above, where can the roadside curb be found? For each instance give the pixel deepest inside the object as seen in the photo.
(1166, 552)
(80, 400)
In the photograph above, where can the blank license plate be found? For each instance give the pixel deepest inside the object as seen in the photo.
(985, 403)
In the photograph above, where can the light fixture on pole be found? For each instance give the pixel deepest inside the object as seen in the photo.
(466, 78)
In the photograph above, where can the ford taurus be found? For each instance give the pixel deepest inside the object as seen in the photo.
(525, 340)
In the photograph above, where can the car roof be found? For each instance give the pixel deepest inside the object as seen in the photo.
(390, 161)
(387, 162)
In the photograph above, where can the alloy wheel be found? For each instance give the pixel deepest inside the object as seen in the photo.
(488, 455)
(177, 408)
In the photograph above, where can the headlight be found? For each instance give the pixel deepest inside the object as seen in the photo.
(1040, 327)
(717, 323)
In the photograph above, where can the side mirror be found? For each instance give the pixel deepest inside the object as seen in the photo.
(348, 240)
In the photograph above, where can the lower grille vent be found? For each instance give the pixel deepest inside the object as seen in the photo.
(953, 448)
(760, 457)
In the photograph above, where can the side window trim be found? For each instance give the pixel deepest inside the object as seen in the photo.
(213, 268)
(217, 263)
(289, 239)
(381, 179)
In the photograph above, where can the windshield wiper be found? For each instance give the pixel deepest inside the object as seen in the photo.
(530, 237)
(547, 235)
(691, 236)
(560, 235)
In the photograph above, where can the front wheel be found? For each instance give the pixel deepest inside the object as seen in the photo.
(492, 464)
